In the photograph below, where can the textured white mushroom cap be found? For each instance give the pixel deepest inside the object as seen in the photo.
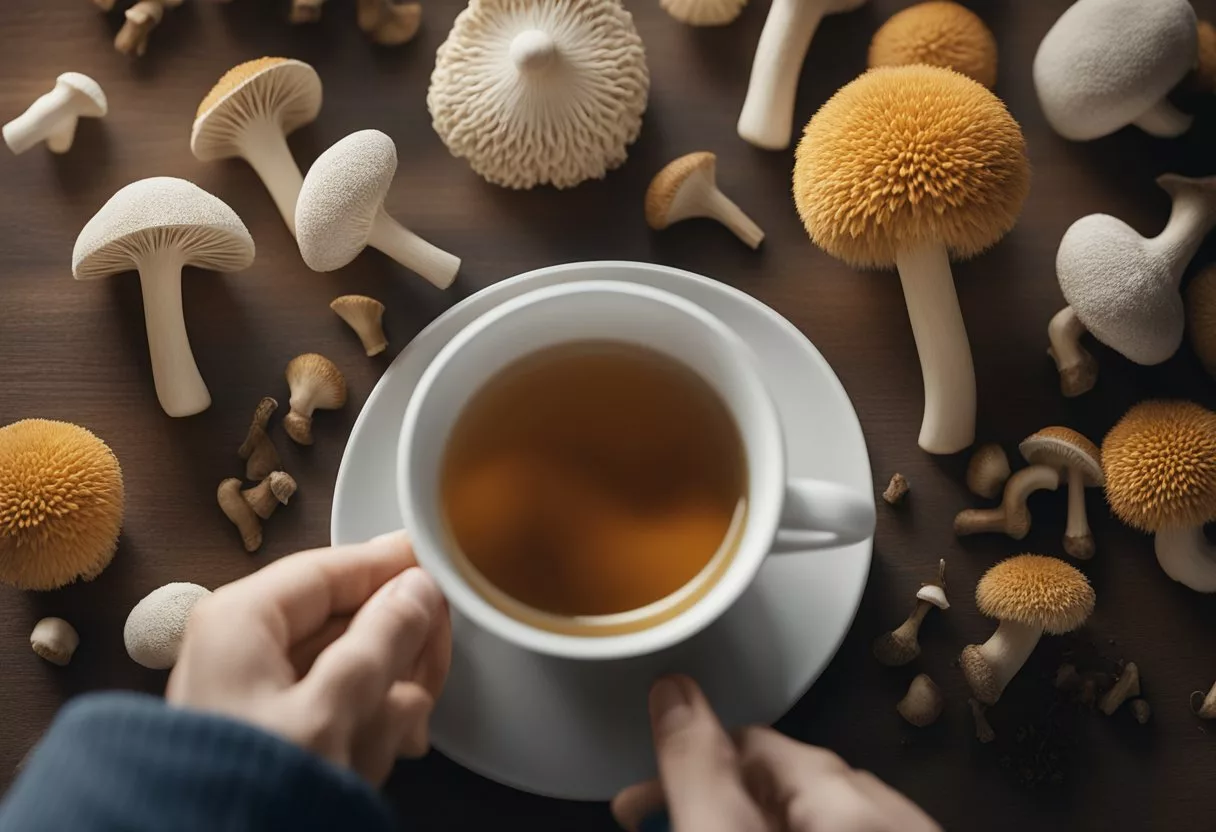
(935, 595)
(342, 194)
(284, 91)
(1105, 63)
(159, 213)
(91, 96)
(564, 115)
(154, 629)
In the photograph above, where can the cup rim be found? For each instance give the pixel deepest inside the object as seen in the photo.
(766, 441)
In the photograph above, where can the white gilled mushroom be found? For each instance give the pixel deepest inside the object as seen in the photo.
(54, 640)
(768, 110)
(1106, 64)
(365, 316)
(141, 19)
(340, 211)
(923, 703)
(156, 625)
(704, 12)
(901, 645)
(52, 118)
(1068, 451)
(1011, 517)
(687, 188)
(249, 114)
(389, 22)
(1123, 288)
(316, 383)
(988, 471)
(157, 226)
(540, 92)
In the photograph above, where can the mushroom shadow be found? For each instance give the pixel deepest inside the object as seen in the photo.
(78, 171)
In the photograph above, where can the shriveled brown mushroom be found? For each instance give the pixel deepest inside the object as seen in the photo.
(365, 316)
(901, 645)
(1204, 705)
(988, 471)
(897, 490)
(1011, 517)
(54, 640)
(258, 449)
(1127, 686)
(142, 18)
(316, 383)
(983, 730)
(923, 703)
(237, 509)
(389, 22)
(277, 489)
(687, 188)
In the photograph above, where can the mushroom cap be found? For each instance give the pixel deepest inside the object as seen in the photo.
(1201, 317)
(155, 214)
(1058, 448)
(320, 378)
(667, 183)
(909, 156)
(1105, 63)
(1037, 591)
(341, 197)
(704, 12)
(933, 594)
(156, 625)
(284, 91)
(520, 123)
(92, 99)
(357, 307)
(1160, 465)
(941, 34)
(61, 504)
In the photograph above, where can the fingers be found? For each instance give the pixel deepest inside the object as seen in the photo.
(305, 652)
(399, 730)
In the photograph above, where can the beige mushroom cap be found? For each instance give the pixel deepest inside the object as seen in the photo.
(155, 627)
(90, 97)
(1037, 591)
(1059, 448)
(704, 12)
(286, 91)
(666, 185)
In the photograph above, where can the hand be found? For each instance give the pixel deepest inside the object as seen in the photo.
(760, 781)
(341, 651)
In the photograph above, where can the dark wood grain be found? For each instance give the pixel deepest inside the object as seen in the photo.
(76, 351)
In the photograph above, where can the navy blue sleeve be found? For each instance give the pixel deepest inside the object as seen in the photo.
(129, 762)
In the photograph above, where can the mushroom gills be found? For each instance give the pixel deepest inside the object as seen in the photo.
(1186, 556)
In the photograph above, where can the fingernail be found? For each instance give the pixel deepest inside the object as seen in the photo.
(666, 695)
(415, 584)
(655, 822)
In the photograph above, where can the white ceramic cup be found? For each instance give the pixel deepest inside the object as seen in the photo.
(783, 516)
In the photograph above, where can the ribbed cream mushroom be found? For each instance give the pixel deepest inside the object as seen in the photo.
(141, 19)
(157, 226)
(249, 114)
(1201, 317)
(687, 187)
(540, 92)
(389, 22)
(316, 384)
(704, 12)
(937, 33)
(1070, 453)
(365, 316)
(52, 117)
(54, 640)
(340, 211)
(157, 624)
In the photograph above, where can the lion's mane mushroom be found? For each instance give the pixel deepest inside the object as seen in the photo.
(141, 19)
(1029, 595)
(902, 644)
(988, 471)
(1012, 516)
(1123, 288)
(340, 211)
(157, 226)
(55, 640)
(923, 703)
(957, 188)
(1160, 466)
(540, 92)
(61, 504)
(1106, 64)
(687, 188)
(52, 117)
(937, 33)
(365, 316)
(156, 625)
(249, 114)
(389, 22)
(1069, 452)
(1201, 317)
(767, 118)
(258, 450)
(316, 384)
(704, 12)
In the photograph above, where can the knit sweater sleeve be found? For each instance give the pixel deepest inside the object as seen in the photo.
(130, 762)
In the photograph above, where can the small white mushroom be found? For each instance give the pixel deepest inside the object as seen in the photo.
(141, 19)
(365, 316)
(902, 644)
(156, 625)
(923, 703)
(157, 226)
(1069, 452)
(704, 12)
(389, 22)
(988, 471)
(1011, 517)
(258, 450)
(54, 640)
(1127, 686)
(687, 188)
(316, 383)
(341, 211)
(52, 118)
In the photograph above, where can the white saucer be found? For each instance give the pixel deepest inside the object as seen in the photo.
(579, 730)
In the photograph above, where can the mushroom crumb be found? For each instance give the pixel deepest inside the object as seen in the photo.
(897, 490)
(54, 640)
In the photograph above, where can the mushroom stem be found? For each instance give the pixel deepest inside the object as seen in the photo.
(1204, 705)
(265, 148)
(1192, 216)
(1011, 517)
(1164, 120)
(945, 353)
(1078, 539)
(1002, 657)
(47, 116)
(179, 385)
(1186, 556)
(724, 210)
(141, 19)
(532, 51)
(768, 110)
(407, 248)
(1078, 369)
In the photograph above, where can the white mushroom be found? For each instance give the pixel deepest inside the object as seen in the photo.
(365, 316)
(538, 92)
(704, 12)
(157, 226)
(768, 110)
(52, 118)
(249, 114)
(155, 627)
(687, 187)
(1011, 517)
(1123, 288)
(1106, 64)
(1069, 452)
(341, 211)
(54, 640)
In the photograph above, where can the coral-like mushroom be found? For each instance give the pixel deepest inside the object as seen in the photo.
(767, 118)
(687, 188)
(1029, 595)
(536, 92)
(1127, 686)
(52, 117)
(1201, 317)
(157, 226)
(1123, 288)
(157, 624)
(340, 211)
(389, 22)
(141, 19)
(1012, 516)
(258, 450)
(365, 316)
(316, 384)
(1106, 64)
(249, 113)
(1160, 466)
(55, 640)
(704, 12)
(901, 645)
(937, 33)
(910, 167)
(276, 490)
(61, 504)
(1068, 451)
(923, 703)
(988, 471)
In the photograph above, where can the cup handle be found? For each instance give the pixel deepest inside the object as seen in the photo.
(822, 515)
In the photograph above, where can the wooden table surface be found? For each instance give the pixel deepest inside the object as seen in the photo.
(77, 351)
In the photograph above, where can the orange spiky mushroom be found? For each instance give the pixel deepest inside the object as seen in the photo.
(939, 34)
